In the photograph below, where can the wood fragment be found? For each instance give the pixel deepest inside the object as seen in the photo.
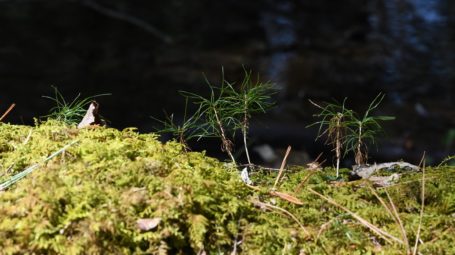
(365, 171)
(384, 181)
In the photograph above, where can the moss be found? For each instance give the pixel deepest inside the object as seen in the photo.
(87, 201)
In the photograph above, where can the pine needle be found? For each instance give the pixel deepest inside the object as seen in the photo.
(30, 169)
(381, 233)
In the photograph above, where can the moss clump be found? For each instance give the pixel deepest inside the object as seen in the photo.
(88, 201)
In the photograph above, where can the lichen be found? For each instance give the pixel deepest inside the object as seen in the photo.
(88, 201)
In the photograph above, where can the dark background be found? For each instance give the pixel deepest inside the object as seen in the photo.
(143, 52)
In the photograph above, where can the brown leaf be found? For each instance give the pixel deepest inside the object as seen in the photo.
(91, 117)
(148, 224)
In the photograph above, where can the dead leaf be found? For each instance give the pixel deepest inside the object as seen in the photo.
(148, 224)
(91, 117)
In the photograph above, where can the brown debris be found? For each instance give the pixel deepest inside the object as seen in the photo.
(91, 117)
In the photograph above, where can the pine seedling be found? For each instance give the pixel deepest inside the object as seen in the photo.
(224, 112)
(363, 130)
(253, 97)
(188, 129)
(69, 112)
(333, 124)
(218, 114)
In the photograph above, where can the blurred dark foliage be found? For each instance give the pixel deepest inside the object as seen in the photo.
(143, 52)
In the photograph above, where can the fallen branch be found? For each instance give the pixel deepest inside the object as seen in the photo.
(365, 171)
(384, 181)
(127, 18)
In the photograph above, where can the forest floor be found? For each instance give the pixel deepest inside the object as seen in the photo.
(101, 190)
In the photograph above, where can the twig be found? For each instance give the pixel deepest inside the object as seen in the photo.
(127, 18)
(245, 129)
(227, 144)
(283, 164)
(7, 111)
(400, 223)
(338, 141)
(416, 245)
(381, 233)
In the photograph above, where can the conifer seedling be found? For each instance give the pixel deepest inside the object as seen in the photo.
(363, 130)
(223, 113)
(333, 124)
(188, 129)
(217, 115)
(252, 98)
(346, 131)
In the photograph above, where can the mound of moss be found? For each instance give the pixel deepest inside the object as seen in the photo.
(89, 199)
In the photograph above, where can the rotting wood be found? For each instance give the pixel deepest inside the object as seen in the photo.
(366, 171)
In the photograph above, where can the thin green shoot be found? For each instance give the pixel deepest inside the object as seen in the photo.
(217, 114)
(364, 130)
(252, 98)
(188, 129)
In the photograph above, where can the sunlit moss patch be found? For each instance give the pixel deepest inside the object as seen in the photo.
(88, 200)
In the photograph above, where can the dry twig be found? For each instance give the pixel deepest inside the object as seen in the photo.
(392, 211)
(127, 18)
(416, 245)
(283, 164)
(10, 108)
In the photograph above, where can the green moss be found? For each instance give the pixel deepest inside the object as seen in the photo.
(87, 201)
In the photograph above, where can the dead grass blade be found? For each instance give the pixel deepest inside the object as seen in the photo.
(283, 164)
(419, 228)
(381, 233)
(392, 211)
